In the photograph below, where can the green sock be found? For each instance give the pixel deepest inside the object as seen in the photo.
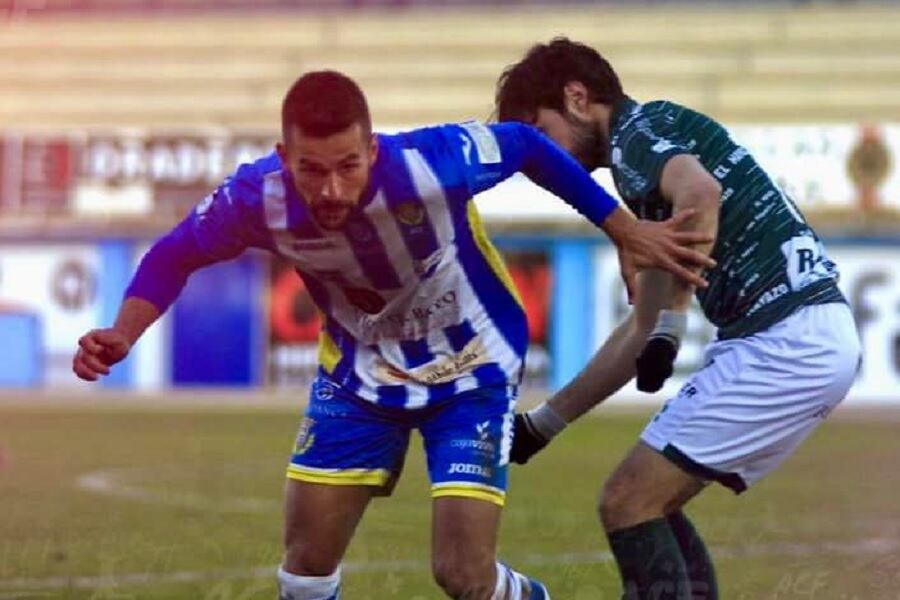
(700, 569)
(650, 562)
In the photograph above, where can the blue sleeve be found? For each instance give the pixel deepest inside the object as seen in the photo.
(221, 227)
(492, 153)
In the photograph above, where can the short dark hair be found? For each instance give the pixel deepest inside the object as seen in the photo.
(537, 81)
(322, 103)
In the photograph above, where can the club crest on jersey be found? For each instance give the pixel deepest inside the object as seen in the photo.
(305, 438)
(365, 300)
(410, 213)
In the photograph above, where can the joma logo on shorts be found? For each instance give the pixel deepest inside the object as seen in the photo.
(470, 469)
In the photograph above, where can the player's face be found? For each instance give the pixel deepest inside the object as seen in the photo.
(330, 173)
(579, 136)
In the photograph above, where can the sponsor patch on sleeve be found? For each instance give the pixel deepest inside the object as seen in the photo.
(485, 143)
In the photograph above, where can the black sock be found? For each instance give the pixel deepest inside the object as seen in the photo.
(650, 562)
(700, 569)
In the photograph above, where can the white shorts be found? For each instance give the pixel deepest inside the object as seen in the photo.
(759, 397)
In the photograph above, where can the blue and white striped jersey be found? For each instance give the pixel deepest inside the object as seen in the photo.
(418, 305)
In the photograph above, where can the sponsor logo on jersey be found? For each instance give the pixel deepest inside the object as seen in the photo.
(300, 245)
(368, 301)
(482, 446)
(486, 146)
(411, 322)
(470, 469)
(440, 370)
(769, 296)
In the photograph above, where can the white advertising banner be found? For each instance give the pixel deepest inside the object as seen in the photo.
(811, 162)
(870, 279)
(151, 354)
(58, 284)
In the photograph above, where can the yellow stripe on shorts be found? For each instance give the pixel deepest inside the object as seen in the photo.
(469, 490)
(377, 477)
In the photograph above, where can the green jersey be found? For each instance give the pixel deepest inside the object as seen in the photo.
(770, 261)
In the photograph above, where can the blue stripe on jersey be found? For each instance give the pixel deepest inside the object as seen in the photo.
(370, 252)
(441, 391)
(406, 206)
(416, 352)
(490, 374)
(459, 335)
(343, 371)
(393, 396)
(503, 309)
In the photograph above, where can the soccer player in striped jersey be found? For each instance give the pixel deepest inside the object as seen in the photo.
(423, 328)
(787, 349)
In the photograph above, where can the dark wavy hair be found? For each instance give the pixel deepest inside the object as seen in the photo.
(322, 103)
(537, 81)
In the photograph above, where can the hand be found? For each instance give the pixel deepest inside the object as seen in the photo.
(654, 364)
(98, 350)
(527, 441)
(649, 244)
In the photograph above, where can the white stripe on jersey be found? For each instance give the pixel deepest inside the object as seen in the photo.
(274, 201)
(378, 212)
(429, 187)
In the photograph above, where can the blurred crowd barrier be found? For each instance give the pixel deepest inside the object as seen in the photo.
(745, 63)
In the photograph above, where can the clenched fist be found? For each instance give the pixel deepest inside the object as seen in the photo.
(98, 350)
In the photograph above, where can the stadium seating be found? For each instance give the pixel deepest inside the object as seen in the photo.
(196, 68)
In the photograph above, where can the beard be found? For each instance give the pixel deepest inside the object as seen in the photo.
(332, 214)
(591, 146)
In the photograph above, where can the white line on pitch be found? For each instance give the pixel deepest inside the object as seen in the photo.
(852, 548)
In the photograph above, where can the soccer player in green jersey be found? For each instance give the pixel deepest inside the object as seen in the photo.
(787, 349)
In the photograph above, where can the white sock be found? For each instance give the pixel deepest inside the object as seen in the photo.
(509, 584)
(305, 587)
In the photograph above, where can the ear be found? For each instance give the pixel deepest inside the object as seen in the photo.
(373, 148)
(282, 152)
(576, 98)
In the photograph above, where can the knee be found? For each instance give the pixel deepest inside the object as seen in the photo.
(613, 505)
(465, 579)
(303, 558)
(622, 505)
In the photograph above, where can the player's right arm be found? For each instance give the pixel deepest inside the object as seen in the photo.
(219, 228)
(607, 372)
(493, 153)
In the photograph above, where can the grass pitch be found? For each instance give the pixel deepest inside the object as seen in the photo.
(106, 501)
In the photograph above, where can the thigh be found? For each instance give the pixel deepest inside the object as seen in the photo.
(645, 485)
(319, 521)
(345, 441)
(464, 532)
(467, 445)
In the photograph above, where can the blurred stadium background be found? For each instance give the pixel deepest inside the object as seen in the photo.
(118, 116)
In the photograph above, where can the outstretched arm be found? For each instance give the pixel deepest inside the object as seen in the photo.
(641, 244)
(611, 368)
(158, 281)
(220, 227)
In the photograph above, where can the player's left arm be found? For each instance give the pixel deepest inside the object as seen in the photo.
(688, 186)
